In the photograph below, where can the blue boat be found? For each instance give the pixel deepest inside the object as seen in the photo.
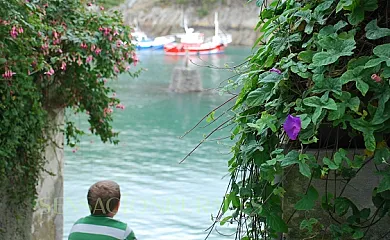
(142, 41)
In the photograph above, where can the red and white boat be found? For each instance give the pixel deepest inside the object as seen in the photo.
(193, 43)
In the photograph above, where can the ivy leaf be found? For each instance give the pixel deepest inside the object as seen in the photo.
(319, 104)
(259, 96)
(223, 221)
(331, 165)
(374, 32)
(356, 75)
(308, 224)
(362, 86)
(384, 184)
(259, 3)
(380, 115)
(381, 154)
(356, 16)
(305, 120)
(279, 191)
(290, 159)
(308, 201)
(382, 50)
(358, 234)
(368, 132)
(276, 223)
(342, 205)
(270, 78)
(336, 47)
(306, 56)
(343, 4)
(304, 169)
(374, 62)
(325, 58)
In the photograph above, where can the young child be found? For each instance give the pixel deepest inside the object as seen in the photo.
(103, 200)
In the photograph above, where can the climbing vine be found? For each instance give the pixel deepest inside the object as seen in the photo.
(55, 55)
(317, 79)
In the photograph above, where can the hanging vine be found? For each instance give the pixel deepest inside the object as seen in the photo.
(311, 114)
(55, 55)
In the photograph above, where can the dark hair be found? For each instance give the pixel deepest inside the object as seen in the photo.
(103, 197)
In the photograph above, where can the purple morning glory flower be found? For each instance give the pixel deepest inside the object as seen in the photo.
(275, 70)
(292, 126)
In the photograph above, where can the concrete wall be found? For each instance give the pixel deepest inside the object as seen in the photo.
(48, 214)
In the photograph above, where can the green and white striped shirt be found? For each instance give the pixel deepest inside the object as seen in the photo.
(100, 228)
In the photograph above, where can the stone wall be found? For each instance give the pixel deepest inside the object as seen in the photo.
(15, 220)
(359, 190)
(48, 214)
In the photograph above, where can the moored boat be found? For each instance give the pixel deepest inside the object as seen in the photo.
(193, 43)
(142, 41)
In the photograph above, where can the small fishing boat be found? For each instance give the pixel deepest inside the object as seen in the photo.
(193, 43)
(142, 41)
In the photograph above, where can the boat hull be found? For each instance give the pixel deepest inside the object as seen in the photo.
(182, 50)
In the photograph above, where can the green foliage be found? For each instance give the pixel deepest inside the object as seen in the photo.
(328, 63)
(54, 55)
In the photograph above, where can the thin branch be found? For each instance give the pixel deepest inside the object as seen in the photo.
(201, 142)
(186, 133)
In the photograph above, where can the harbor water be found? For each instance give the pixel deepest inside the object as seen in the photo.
(161, 199)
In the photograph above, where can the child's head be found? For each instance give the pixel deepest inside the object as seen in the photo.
(103, 198)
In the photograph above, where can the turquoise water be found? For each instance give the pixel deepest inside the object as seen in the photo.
(161, 199)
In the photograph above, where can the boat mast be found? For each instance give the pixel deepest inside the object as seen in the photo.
(216, 24)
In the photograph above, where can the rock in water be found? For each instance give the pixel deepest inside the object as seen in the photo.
(185, 79)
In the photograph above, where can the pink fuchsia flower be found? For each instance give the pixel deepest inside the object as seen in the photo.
(83, 46)
(110, 38)
(115, 33)
(376, 78)
(45, 47)
(93, 47)
(98, 51)
(14, 33)
(120, 106)
(107, 111)
(107, 31)
(63, 66)
(55, 34)
(50, 72)
(135, 58)
(8, 74)
(292, 126)
(114, 94)
(127, 68)
(20, 30)
(89, 4)
(79, 61)
(116, 69)
(275, 70)
(89, 59)
(118, 43)
(101, 29)
(101, 8)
